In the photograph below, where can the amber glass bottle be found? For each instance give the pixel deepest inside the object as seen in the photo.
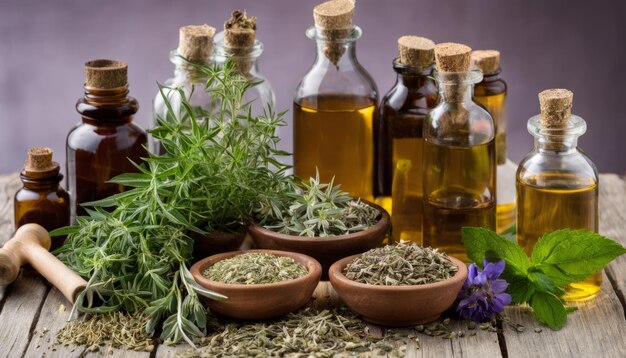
(398, 136)
(42, 200)
(106, 141)
(335, 106)
(557, 184)
(459, 156)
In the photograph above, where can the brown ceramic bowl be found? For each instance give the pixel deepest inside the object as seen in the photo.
(326, 250)
(397, 306)
(255, 302)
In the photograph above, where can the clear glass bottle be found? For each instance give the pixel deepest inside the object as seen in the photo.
(103, 145)
(557, 188)
(459, 165)
(491, 92)
(334, 114)
(399, 148)
(42, 200)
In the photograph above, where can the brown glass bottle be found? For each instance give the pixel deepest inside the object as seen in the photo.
(106, 141)
(42, 200)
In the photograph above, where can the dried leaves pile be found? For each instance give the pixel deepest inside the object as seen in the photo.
(255, 268)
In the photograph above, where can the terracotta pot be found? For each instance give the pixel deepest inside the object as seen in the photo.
(326, 250)
(397, 306)
(262, 301)
(215, 242)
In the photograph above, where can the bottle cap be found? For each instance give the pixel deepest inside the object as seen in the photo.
(106, 74)
(416, 51)
(195, 42)
(452, 57)
(334, 14)
(39, 161)
(556, 107)
(487, 60)
(240, 30)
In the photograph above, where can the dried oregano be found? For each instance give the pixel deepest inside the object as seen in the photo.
(401, 264)
(255, 268)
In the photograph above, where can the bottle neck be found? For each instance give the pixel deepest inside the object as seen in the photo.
(413, 77)
(244, 58)
(187, 72)
(107, 106)
(492, 77)
(47, 182)
(336, 48)
(557, 140)
(457, 87)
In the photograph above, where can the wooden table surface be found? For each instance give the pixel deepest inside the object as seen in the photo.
(597, 329)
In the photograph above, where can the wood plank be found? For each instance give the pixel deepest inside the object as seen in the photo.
(613, 226)
(9, 184)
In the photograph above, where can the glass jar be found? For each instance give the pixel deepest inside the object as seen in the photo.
(459, 165)
(334, 116)
(399, 148)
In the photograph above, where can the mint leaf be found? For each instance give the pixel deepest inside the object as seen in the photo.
(544, 283)
(482, 244)
(548, 309)
(520, 288)
(568, 256)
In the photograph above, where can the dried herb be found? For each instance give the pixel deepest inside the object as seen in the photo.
(401, 264)
(255, 268)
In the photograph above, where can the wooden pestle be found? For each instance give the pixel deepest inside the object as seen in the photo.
(30, 245)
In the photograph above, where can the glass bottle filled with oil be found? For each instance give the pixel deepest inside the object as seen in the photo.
(335, 106)
(106, 143)
(398, 137)
(459, 156)
(557, 184)
(491, 93)
(194, 47)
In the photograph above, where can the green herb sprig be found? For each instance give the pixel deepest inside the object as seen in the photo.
(558, 259)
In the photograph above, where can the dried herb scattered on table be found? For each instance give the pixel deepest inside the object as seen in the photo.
(255, 268)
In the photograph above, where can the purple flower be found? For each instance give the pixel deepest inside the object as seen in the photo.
(483, 293)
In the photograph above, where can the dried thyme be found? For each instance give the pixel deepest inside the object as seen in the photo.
(400, 265)
(255, 268)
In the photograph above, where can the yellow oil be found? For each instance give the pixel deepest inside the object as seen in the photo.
(333, 133)
(406, 189)
(572, 204)
(505, 216)
(459, 190)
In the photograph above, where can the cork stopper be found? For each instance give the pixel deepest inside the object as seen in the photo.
(487, 60)
(452, 57)
(195, 42)
(556, 107)
(106, 74)
(334, 14)
(416, 51)
(39, 163)
(239, 30)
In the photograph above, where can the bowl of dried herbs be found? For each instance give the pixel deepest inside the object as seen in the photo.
(405, 284)
(324, 222)
(259, 284)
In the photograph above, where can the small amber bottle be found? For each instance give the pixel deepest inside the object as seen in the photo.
(398, 136)
(106, 143)
(557, 184)
(42, 200)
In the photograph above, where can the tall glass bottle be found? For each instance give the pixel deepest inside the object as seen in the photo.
(459, 156)
(335, 106)
(42, 200)
(399, 139)
(557, 184)
(194, 47)
(491, 93)
(106, 141)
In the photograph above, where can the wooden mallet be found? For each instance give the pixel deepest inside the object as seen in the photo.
(30, 245)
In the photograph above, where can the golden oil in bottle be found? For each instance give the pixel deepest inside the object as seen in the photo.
(407, 189)
(333, 133)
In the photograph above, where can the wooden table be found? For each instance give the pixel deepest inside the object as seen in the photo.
(597, 329)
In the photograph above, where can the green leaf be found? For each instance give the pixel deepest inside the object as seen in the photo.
(482, 244)
(548, 309)
(544, 283)
(568, 256)
(520, 288)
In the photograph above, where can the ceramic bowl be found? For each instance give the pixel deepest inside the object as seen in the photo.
(326, 250)
(262, 301)
(397, 306)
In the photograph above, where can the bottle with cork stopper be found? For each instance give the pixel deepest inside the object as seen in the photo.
(459, 156)
(557, 184)
(42, 200)
(194, 48)
(398, 136)
(335, 105)
(491, 93)
(238, 43)
(106, 143)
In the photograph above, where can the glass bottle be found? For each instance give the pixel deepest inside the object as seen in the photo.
(491, 93)
(399, 146)
(42, 200)
(106, 143)
(557, 184)
(459, 156)
(334, 114)
(195, 45)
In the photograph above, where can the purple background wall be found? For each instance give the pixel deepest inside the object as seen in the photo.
(544, 44)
